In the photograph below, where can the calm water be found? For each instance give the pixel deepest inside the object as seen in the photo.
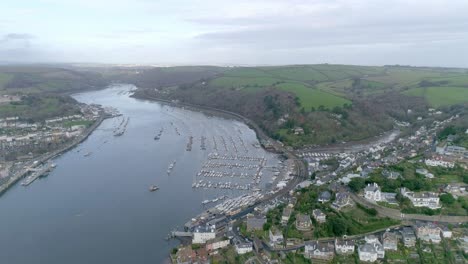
(98, 209)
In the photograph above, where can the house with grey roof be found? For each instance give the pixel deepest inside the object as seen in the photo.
(344, 246)
(390, 241)
(409, 238)
(324, 197)
(342, 200)
(367, 252)
(372, 192)
(428, 231)
(303, 222)
(276, 238)
(319, 216)
(319, 250)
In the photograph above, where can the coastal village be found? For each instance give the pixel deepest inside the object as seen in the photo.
(399, 201)
(27, 148)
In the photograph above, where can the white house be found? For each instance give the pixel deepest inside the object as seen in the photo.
(372, 192)
(422, 199)
(374, 241)
(445, 232)
(202, 234)
(425, 173)
(367, 253)
(344, 246)
(439, 163)
(244, 248)
(276, 238)
(319, 215)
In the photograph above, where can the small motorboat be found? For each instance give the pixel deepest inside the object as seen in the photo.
(153, 188)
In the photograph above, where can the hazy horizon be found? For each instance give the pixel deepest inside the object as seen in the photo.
(256, 32)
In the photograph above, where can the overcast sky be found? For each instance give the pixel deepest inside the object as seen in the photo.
(372, 32)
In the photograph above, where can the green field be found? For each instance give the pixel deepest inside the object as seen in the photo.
(38, 108)
(299, 73)
(459, 80)
(243, 82)
(309, 97)
(405, 76)
(347, 81)
(441, 96)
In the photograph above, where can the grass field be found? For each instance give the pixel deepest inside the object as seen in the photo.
(441, 96)
(299, 73)
(406, 76)
(309, 97)
(243, 82)
(457, 80)
(38, 108)
(337, 81)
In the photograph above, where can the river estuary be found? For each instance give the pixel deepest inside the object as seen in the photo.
(95, 207)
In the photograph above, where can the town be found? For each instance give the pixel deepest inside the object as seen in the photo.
(27, 148)
(398, 201)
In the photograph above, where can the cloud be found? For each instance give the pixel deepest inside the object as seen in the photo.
(243, 31)
(16, 36)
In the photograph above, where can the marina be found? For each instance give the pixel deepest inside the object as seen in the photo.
(189, 144)
(120, 130)
(103, 203)
(158, 136)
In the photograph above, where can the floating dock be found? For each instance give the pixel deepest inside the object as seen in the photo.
(36, 173)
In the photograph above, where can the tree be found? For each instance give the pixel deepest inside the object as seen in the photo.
(338, 226)
(447, 199)
(357, 184)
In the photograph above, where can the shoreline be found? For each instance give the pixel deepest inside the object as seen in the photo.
(260, 134)
(48, 156)
(351, 146)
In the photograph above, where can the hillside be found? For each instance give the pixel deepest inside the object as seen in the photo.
(38, 79)
(332, 103)
(37, 92)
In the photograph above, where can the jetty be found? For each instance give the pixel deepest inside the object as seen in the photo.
(37, 172)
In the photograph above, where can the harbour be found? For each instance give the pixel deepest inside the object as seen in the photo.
(89, 215)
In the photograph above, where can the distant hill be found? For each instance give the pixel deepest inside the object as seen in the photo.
(41, 78)
(332, 103)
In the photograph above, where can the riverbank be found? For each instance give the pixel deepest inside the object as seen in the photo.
(261, 136)
(48, 156)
